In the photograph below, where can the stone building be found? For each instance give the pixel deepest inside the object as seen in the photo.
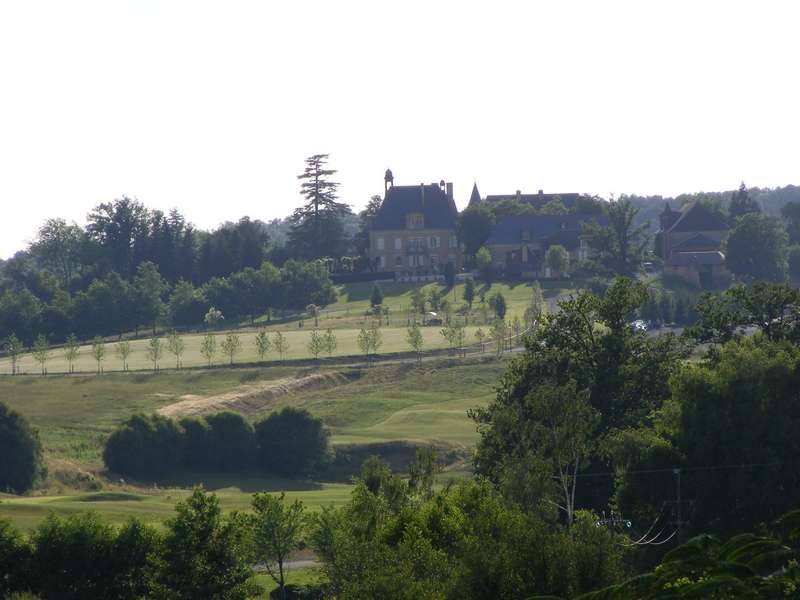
(413, 233)
(519, 244)
(690, 242)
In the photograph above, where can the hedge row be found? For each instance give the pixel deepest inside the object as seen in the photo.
(290, 442)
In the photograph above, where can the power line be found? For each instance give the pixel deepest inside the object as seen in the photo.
(684, 469)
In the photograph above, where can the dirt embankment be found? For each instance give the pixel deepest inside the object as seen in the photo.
(252, 398)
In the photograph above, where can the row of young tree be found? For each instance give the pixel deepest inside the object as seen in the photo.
(289, 442)
(113, 306)
(157, 349)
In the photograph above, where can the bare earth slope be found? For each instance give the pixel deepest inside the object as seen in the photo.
(250, 399)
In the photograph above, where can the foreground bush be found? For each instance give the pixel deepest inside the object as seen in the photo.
(82, 558)
(396, 541)
(204, 555)
(21, 464)
(14, 560)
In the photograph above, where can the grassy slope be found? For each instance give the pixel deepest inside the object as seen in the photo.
(346, 316)
(74, 414)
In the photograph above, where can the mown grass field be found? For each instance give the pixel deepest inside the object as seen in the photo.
(346, 316)
(424, 403)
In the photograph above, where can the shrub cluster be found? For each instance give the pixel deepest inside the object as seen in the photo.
(21, 464)
(199, 554)
(289, 442)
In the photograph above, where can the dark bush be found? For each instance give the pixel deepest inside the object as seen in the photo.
(21, 465)
(291, 442)
(82, 558)
(14, 560)
(145, 447)
(233, 444)
(197, 444)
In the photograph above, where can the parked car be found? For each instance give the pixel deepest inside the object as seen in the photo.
(432, 319)
(639, 325)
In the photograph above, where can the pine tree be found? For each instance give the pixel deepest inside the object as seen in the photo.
(742, 203)
(376, 297)
(317, 229)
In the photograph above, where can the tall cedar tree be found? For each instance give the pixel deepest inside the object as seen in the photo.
(317, 229)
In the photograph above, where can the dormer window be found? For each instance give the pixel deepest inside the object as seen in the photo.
(526, 235)
(415, 221)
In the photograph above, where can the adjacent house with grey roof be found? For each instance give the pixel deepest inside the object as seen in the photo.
(690, 242)
(413, 234)
(519, 244)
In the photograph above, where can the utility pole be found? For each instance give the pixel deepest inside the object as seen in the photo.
(677, 472)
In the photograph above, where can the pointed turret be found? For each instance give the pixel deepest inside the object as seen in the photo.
(475, 197)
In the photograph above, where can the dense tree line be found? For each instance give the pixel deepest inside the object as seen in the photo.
(597, 414)
(126, 264)
(289, 442)
(112, 305)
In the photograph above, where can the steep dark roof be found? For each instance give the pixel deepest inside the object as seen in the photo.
(695, 259)
(698, 242)
(540, 228)
(537, 200)
(439, 210)
(475, 196)
(667, 209)
(698, 217)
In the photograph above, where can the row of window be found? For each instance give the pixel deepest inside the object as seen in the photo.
(420, 243)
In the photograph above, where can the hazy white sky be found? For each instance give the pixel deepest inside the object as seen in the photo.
(211, 107)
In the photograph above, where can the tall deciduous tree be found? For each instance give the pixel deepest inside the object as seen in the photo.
(365, 224)
(123, 350)
(474, 226)
(58, 248)
(176, 346)
(99, 352)
(263, 344)
(415, 340)
(41, 352)
(757, 249)
(231, 346)
(204, 555)
(149, 290)
(72, 350)
(317, 229)
(278, 528)
(620, 245)
(557, 259)
(14, 347)
(155, 350)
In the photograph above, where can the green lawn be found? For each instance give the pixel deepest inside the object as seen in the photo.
(155, 506)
